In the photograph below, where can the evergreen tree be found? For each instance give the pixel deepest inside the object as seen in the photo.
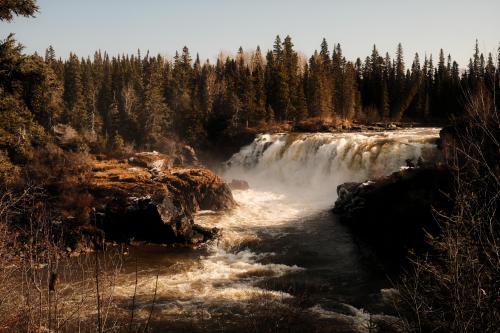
(294, 105)
(280, 95)
(350, 93)
(319, 92)
(50, 55)
(11, 8)
(155, 116)
(73, 93)
(258, 78)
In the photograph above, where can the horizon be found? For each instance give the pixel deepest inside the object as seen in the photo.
(126, 32)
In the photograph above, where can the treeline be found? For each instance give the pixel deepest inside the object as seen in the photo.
(141, 99)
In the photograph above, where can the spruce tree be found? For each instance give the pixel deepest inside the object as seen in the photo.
(73, 93)
(155, 116)
(258, 78)
(319, 93)
(50, 55)
(293, 87)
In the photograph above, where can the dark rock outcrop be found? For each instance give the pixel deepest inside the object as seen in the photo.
(395, 212)
(144, 198)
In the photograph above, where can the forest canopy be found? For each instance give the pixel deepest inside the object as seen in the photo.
(142, 99)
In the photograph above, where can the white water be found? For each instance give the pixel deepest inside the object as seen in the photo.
(291, 177)
(309, 167)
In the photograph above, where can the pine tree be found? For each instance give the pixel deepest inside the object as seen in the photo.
(350, 93)
(258, 78)
(276, 81)
(325, 55)
(50, 55)
(400, 65)
(43, 92)
(73, 93)
(336, 81)
(319, 94)
(300, 104)
(207, 93)
(245, 90)
(292, 71)
(155, 116)
(19, 131)
(281, 97)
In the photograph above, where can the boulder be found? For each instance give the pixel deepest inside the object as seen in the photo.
(151, 160)
(394, 213)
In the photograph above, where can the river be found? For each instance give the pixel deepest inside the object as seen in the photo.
(283, 261)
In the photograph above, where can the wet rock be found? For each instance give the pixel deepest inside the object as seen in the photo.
(394, 213)
(238, 184)
(207, 190)
(206, 233)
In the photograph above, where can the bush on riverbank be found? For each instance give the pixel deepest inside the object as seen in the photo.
(457, 289)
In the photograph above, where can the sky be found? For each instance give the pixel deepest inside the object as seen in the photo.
(211, 26)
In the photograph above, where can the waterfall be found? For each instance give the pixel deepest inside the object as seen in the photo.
(311, 166)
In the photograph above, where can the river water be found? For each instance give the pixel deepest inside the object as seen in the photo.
(283, 261)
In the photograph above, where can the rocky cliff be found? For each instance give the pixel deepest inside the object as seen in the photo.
(146, 198)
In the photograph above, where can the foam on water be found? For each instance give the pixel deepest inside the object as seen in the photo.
(219, 278)
(229, 271)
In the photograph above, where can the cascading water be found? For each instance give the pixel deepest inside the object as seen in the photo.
(313, 165)
(282, 229)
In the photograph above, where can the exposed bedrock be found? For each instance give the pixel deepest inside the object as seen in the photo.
(145, 198)
(394, 213)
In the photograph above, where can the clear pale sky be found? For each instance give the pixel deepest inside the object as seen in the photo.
(208, 27)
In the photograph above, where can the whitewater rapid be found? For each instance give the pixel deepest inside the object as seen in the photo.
(293, 178)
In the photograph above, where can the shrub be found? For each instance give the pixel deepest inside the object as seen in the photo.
(457, 287)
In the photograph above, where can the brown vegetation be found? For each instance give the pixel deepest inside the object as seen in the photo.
(456, 288)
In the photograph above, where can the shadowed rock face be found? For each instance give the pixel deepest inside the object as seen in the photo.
(144, 198)
(393, 213)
